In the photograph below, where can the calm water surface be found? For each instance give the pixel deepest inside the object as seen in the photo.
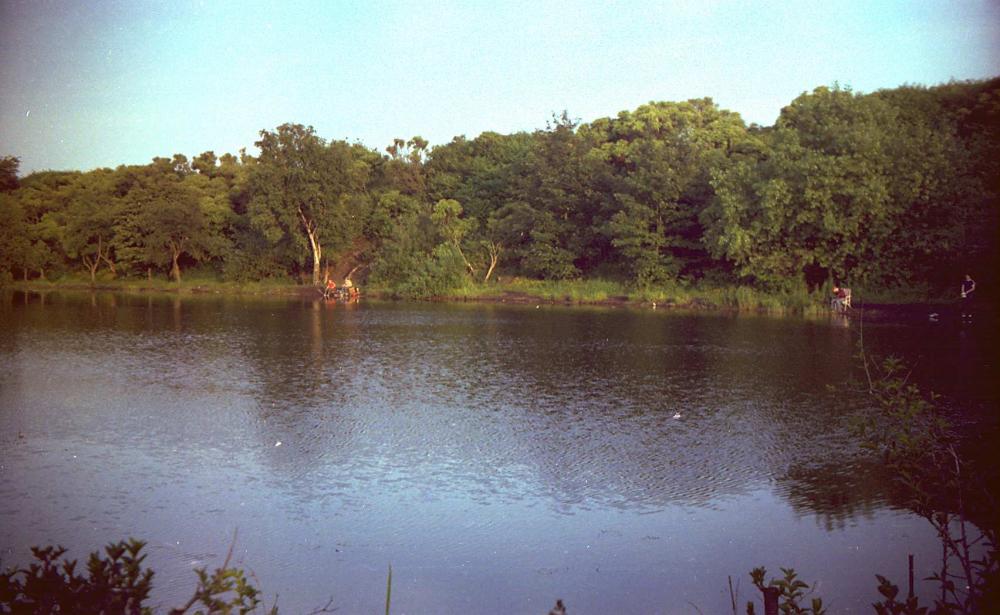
(498, 457)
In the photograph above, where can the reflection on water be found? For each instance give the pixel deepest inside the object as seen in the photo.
(498, 457)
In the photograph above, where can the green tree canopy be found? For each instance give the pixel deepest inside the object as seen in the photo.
(306, 192)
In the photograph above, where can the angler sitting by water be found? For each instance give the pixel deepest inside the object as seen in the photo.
(331, 288)
(352, 290)
(841, 299)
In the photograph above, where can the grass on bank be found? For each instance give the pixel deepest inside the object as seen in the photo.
(189, 284)
(599, 291)
(584, 291)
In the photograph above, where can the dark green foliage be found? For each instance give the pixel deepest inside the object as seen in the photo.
(885, 189)
(8, 173)
(898, 189)
(113, 583)
(14, 244)
(890, 606)
(791, 591)
(906, 428)
(306, 195)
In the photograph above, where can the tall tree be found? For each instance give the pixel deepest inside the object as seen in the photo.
(89, 221)
(14, 243)
(306, 192)
(9, 166)
(44, 196)
(819, 205)
(162, 219)
(657, 162)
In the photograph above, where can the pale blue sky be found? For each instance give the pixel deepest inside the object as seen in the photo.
(92, 83)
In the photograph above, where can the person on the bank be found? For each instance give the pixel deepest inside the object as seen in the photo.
(841, 299)
(968, 287)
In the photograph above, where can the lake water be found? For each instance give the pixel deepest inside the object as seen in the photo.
(498, 457)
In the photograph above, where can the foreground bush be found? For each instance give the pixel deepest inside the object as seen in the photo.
(115, 583)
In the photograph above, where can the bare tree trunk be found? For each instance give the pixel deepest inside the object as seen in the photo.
(104, 253)
(472, 270)
(317, 248)
(494, 250)
(175, 270)
(317, 251)
(91, 265)
(106, 256)
(111, 265)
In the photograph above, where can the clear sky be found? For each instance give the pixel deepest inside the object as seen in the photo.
(91, 83)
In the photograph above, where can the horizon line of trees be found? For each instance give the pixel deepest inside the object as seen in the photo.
(895, 188)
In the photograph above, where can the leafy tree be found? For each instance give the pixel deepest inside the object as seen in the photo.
(162, 219)
(14, 244)
(89, 220)
(556, 186)
(401, 231)
(484, 175)
(44, 197)
(206, 164)
(418, 248)
(947, 164)
(509, 229)
(307, 193)
(656, 165)
(404, 170)
(546, 257)
(641, 237)
(819, 202)
(452, 227)
(9, 166)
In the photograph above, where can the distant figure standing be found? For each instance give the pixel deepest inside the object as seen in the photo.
(968, 287)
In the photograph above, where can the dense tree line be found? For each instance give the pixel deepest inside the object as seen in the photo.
(894, 188)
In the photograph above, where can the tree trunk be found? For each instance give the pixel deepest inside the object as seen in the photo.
(91, 266)
(175, 271)
(176, 249)
(317, 251)
(317, 248)
(105, 255)
(468, 265)
(494, 251)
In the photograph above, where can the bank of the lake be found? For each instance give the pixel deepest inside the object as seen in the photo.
(592, 292)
